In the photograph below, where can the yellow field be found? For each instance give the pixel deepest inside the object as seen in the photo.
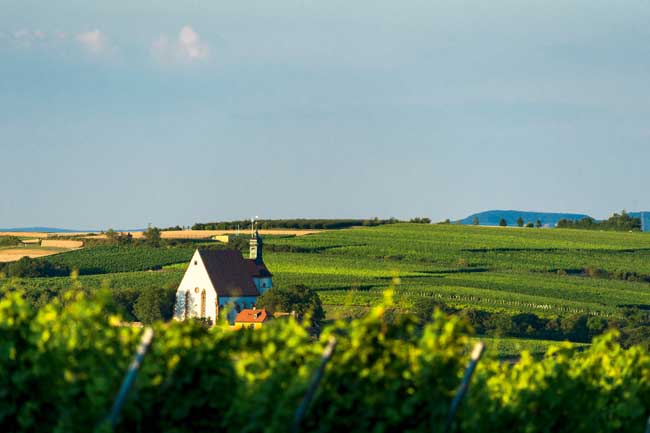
(63, 243)
(41, 235)
(13, 254)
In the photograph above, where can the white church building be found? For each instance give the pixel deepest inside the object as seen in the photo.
(216, 279)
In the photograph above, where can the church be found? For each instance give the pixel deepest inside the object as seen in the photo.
(216, 279)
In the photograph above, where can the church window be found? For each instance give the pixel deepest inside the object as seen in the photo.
(187, 305)
(203, 303)
(196, 290)
(196, 262)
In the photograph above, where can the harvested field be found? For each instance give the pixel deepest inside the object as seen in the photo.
(61, 243)
(13, 254)
(207, 234)
(41, 235)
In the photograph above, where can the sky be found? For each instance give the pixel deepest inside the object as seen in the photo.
(122, 113)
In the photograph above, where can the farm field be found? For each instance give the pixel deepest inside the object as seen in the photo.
(11, 254)
(549, 272)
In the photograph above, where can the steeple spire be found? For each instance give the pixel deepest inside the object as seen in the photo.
(255, 252)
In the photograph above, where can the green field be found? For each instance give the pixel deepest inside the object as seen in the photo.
(494, 269)
(518, 270)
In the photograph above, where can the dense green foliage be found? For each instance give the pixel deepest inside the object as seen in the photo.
(152, 305)
(62, 366)
(617, 222)
(298, 299)
(9, 241)
(26, 267)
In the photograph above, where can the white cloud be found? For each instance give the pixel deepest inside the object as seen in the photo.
(93, 41)
(186, 48)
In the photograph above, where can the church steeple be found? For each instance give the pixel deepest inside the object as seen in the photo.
(255, 252)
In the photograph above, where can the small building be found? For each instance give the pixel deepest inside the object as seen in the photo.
(216, 279)
(251, 318)
(224, 239)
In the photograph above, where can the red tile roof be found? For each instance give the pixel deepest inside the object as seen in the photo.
(252, 316)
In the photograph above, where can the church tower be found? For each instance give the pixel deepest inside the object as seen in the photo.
(255, 252)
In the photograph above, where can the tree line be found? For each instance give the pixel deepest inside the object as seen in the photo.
(617, 222)
(632, 323)
(304, 223)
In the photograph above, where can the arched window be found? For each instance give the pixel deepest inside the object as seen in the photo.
(187, 305)
(203, 303)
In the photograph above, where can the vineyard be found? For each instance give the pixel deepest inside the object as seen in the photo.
(63, 365)
(113, 259)
(551, 273)
(526, 270)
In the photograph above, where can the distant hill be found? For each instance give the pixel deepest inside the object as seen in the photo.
(41, 229)
(492, 217)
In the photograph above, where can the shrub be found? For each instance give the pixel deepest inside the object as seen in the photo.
(9, 241)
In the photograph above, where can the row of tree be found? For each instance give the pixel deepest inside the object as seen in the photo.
(617, 222)
(303, 223)
(520, 222)
(632, 323)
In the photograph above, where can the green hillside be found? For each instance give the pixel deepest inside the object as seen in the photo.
(554, 274)
(544, 271)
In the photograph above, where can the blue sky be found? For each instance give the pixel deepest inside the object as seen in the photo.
(119, 114)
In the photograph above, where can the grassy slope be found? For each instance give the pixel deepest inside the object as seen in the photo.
(495, 268)
(492, 268)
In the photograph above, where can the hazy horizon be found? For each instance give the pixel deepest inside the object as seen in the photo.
(122, 114)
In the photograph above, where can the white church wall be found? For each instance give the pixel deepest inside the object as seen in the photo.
(195, 280)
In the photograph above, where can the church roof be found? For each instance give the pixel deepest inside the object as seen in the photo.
(230, 274)
(251, 316)
(258, 270)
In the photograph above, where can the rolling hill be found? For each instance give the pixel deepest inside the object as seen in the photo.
(492, 217)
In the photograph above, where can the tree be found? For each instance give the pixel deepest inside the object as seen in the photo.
(298, 299)
(538, 224)
(148, 308)
(503, 222)
(112, 235)
(475, 221)
(530, 225)
(152, 236)
(520, 222)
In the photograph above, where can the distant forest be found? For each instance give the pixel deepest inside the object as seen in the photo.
(301, 223)
(617, 222)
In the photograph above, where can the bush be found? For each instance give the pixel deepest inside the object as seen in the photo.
(9, 241)
(33, 268)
